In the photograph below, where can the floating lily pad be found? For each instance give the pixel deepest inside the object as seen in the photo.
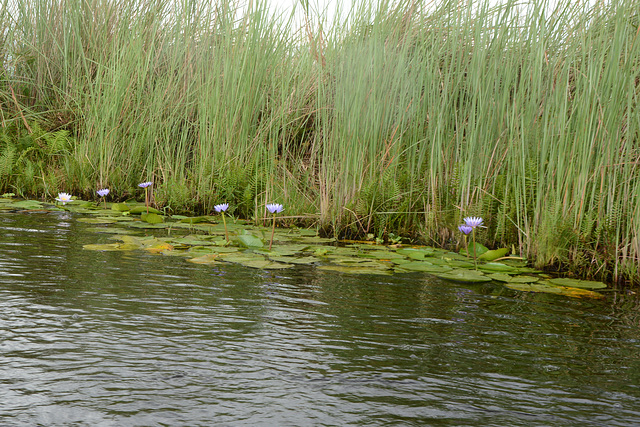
(25, 204)
(494, 254)
(415, 253)
(147, 225)
(151, 218)
(294, 260)
(460, 264)
(109, 230)
(97, 220)
(551, 289)
(502, 277)
(479, 249)
(382, 270)
(143, 209)
(208, 259)
(574, 283)
(254, 261)
(112, 247)
(424, 266)
(120, 207)
(464, 276)
(249, 241)
(159, 247)
(496, 267)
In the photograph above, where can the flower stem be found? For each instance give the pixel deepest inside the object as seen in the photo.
(146, 198)
(105, 202)
(273, 230)
(475, 258)
(226, 233)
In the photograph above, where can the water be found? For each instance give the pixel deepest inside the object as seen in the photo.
(133, 339)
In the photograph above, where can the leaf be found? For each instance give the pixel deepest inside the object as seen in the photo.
(464, 276)
(97, 220)
(416, 254)
(208, 259)
(575, 283)
(551, 289)
(502, 277)
(494, 254)
(249, 241)
(480, 249)
(355, 269)
(143, 209)
(120, 207)
(496, 267)
(151, 218)
(424, 266)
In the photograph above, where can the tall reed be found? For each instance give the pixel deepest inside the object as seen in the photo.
(402, 119)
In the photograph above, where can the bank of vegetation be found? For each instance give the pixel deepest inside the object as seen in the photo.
(398, 120)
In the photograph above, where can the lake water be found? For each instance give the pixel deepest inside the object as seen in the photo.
(134, 339)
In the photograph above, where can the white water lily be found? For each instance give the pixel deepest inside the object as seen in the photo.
(64, 198)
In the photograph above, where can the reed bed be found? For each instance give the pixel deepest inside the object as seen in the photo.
(400, 120)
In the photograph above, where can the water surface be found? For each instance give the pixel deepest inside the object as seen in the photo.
(134, 339)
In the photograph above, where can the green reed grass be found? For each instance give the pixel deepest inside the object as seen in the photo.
(403, 119)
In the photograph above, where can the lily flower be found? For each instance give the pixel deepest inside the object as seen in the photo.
(102, 193)
(146, 192)
(274, 208)
(64, 198)
(222, 208)
(473, 221)
(465, 229)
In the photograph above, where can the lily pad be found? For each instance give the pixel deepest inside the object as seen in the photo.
(502, 277)
(249, 241)
(464, 276)
(479, 249)
(494, 254)
(356, 269)
(424, 266)
(143, 209)
(97, 220)
(208, 259)
(120, 207)
(294, 260)
(496, 267)
(112, 247)
(575, 283)
(151, 218)
(415, 253)
(551, 289)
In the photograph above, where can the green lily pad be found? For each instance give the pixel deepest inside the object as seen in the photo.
(382, 270)
(26, 204)
(424, 266)
(208, 259)
(120, 207)
(97, 220)
(496, 267)
(151, 218)
(253, 261)
(551, 289)
(143, 209)
(416, 254)
(147, 225)
(460, 264)
(384, 255)
(502, 277)
(109, 230)
(574, 283)
(464, 276)
(249, 241)
(494, 254)
(479, 249)
(112, 247)
(294, 260)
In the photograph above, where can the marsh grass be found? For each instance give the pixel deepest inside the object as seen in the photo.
(403, 120)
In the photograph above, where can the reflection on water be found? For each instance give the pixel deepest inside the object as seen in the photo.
(123, 339)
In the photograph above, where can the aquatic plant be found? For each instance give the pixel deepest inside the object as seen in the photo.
(274, 208)
(64, 198)
(472, 222)
(222, 208)
(146, 186)
(103, 193)
(465, 230)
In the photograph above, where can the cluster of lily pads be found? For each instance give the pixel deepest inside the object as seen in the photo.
(207, 240)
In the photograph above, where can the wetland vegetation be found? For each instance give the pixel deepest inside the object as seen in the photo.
(394, 123)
